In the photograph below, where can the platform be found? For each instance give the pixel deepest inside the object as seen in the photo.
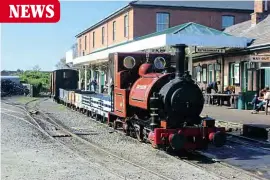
(234, 115)
(253, 125)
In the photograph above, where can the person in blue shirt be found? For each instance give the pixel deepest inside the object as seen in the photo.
(94, 84)
(258, 102)
(214, 86)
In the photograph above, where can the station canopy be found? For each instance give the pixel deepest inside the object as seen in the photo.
(191, 34)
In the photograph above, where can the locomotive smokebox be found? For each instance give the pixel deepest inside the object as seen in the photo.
(181, 97)
(179, 58)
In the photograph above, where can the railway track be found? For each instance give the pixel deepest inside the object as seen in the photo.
(70, 140)
(75, 141)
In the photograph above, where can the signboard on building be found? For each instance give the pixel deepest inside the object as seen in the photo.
(259, 58)
(209, 50)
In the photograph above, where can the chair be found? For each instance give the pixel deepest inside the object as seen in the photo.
(267, 98)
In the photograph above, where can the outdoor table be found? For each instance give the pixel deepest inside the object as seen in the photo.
(208, 97)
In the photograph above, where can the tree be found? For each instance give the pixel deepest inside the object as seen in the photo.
(19, 71)
(36, 78)
(62, 64)
(36, 68)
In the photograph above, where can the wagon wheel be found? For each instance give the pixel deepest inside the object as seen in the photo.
(139, 133)
(110, 124)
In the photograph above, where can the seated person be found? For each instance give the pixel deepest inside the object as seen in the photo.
(260, 102)
(256, 100)
(227, 90)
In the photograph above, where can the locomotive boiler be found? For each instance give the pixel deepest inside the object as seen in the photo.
(155, 103)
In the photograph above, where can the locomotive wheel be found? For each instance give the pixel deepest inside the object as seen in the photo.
(115, 125)
(139, 133)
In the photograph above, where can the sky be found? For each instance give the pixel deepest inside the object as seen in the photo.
(25, 45)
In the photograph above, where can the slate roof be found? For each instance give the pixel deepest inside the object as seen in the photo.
(231, 5)
(260, 32)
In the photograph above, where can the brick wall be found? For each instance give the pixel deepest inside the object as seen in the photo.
(145, 18)
(108, 32)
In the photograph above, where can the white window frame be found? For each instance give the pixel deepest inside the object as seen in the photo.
(93, 39)
(85, 42)
(103, 35)
(126, 25)
(225, 18)
(114, 30)
(161, 21)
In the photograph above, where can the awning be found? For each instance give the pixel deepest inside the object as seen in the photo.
(191, 34)
(153, 42)
(216, 41)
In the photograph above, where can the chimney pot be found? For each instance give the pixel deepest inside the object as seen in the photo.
(260, 8)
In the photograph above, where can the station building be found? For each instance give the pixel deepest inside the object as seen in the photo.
(153, 26)
(246, 69)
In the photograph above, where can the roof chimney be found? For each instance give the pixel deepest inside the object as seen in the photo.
(261, 8)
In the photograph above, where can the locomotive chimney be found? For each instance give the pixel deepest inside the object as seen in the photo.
(179, 58)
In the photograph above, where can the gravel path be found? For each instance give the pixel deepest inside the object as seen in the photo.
(136, 152)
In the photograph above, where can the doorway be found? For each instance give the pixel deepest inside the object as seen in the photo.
(210, 73)
(264, 78)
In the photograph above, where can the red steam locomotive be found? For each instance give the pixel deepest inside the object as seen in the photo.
(154, 102)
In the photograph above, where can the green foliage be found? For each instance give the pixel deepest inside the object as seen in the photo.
(36, 77)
